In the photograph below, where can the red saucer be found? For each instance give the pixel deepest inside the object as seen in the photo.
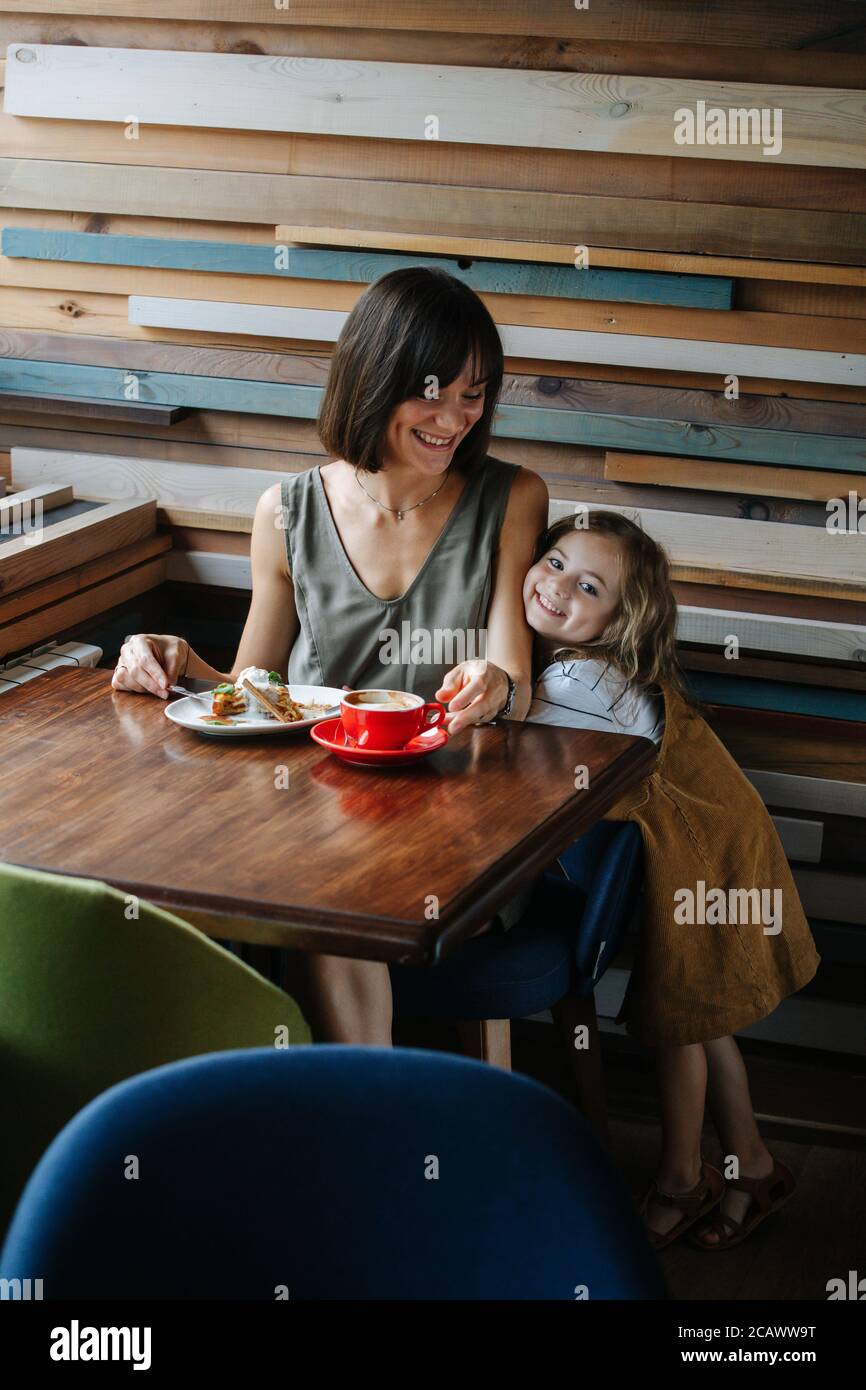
(331, 735)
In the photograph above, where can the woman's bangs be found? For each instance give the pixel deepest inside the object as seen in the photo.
(449, 342)
(441, 359)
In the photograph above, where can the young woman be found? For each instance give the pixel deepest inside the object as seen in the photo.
(411, 523)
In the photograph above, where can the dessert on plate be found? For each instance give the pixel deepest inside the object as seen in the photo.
(228, 700)
(231, 698)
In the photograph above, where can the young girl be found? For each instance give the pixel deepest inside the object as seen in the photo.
(708, 963)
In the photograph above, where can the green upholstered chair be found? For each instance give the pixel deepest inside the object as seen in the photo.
(90, 994)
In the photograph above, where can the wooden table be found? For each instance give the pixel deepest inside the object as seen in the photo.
(345, 860)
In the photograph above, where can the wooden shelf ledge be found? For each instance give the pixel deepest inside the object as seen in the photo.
(138, 412)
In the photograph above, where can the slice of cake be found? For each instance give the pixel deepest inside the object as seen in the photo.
(273, 687)
(228, 699)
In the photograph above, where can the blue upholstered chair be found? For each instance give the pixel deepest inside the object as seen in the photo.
(552, 959)
(328, 1173)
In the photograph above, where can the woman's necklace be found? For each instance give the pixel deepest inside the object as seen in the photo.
(400, 512)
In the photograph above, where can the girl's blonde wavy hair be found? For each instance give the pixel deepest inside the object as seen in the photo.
(640, 640)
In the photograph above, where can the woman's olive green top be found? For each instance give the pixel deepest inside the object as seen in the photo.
(724, 937)
(348, 636)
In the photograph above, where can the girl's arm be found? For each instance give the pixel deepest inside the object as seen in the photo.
(149, 662)
(477, 690)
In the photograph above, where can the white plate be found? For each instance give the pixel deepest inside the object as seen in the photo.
(188, 714)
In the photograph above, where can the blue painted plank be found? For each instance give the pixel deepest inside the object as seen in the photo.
(362, 267)
(777, 695)
(197, 392)
(645, 434)
(639, 433)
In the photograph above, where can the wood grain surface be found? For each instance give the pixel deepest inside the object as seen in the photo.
(344, 860)
(794, 24)
(480, 105)
(433, 211)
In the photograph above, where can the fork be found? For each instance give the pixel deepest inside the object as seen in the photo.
(191, 694)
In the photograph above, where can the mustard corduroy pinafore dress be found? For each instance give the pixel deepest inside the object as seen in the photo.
(705, 828)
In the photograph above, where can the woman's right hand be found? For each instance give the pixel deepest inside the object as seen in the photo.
(149, 664)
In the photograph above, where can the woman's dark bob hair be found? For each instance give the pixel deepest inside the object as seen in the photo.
(411, 325)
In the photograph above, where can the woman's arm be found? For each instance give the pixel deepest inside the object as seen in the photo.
(149, 663)
(272, 622)
(509, 636)
(477, 690)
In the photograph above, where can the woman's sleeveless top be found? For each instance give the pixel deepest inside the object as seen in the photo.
(350, 637)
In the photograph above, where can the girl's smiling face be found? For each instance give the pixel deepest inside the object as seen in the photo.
(573, 592)
(423, 434)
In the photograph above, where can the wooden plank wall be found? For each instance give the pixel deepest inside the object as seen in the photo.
(684, 318)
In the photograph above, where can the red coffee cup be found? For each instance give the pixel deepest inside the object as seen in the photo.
(387, 718)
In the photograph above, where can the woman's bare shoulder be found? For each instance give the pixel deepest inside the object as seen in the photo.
(273, 501)
(270, 499)
(525, 484)
(530, 487)
(528, 501)
(267, 544)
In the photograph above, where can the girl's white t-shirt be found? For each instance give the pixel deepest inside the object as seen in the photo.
(585, 693)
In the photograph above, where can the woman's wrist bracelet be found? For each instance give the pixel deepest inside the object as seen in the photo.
(509, 703)
(509, 699)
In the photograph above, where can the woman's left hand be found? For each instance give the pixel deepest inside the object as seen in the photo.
(475, 691)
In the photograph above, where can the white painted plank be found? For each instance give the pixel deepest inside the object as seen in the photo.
(763, 547)
(518, 340)
(195, 486)
(27, 501)
(408, 101)
(79, 653)
(48, 657)
(46, 663)
(762, 632)
(215, 316)
(835, 897)
(684, 355)
(802, 840)
(809, 793)
(19, 675)
(210, 567)
(803, 1021)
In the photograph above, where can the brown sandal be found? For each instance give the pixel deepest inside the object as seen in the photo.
(767, 1194)
(706, 1193)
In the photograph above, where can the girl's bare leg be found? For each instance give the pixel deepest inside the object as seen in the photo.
(730, 1105)
(350, 1000)
(682, 1078)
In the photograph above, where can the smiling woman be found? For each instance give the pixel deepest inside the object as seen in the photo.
(418, 365)
(412, 526)
(412, 522)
